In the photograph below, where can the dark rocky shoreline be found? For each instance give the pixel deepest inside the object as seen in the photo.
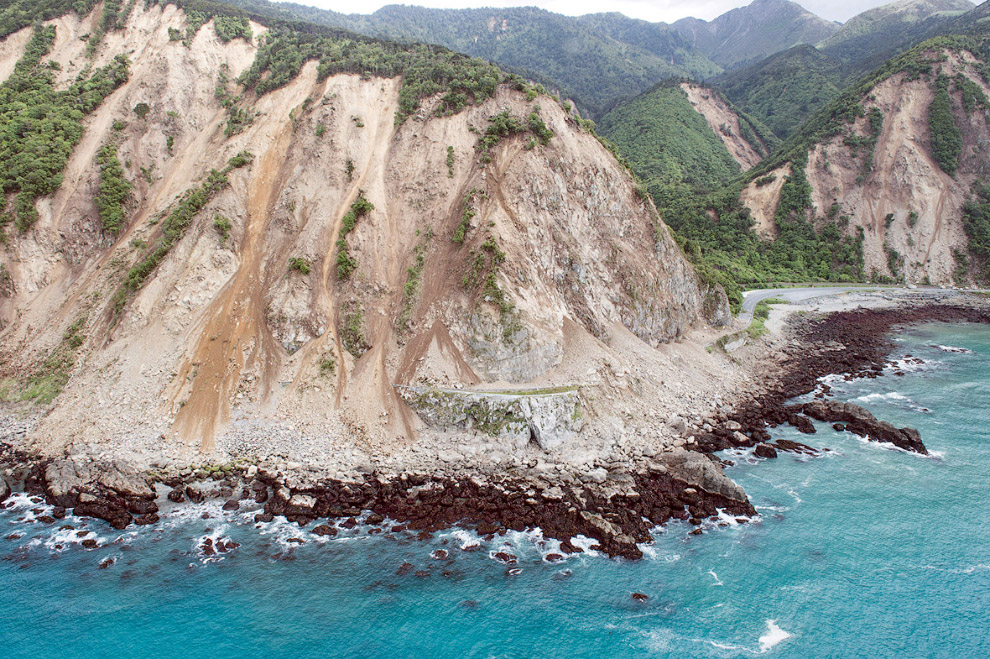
(853, 344)
(617, 507)
(617, 512)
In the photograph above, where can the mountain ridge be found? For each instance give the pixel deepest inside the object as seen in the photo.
(759, 29)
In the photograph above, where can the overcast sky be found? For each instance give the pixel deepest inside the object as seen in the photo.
(650, 10)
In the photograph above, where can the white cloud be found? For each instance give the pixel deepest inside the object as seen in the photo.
(650, 10)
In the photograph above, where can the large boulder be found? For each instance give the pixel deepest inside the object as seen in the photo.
(697, 470)
(860, 421)
(549, 417)
(65, 478)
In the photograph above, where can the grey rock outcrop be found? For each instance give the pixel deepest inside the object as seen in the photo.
(66, 478)
(699, 470)
(549, 418)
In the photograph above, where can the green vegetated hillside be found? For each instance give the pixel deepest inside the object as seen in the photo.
(715, 229)
(670, 145)
(879, 33)
(593, 59)
(716, 232)
(753, 32)
(785, 89)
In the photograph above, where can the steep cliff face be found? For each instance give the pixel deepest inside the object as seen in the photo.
(348, 253)
(744, 144)
(889, 170)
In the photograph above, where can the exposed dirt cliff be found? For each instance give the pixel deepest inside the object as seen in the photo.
(725, 123)
(350, 254)
(879, 174)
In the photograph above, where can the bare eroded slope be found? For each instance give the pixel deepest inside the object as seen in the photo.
(564, 276)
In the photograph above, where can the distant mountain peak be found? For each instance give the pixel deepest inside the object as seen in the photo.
(749, 33)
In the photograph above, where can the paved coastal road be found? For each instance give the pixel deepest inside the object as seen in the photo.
(752, 298)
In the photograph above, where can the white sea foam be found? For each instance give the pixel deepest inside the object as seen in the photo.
(773, 636)
(770, 639)
(651, 553)
(969, 569)
(585, 543)
(876, 397)
(895, 398)
(62, 539)
(199, 548)
(911, 365)
(718, 582)
(23, 504)
(465, 539)
(961, 351)
(831, 378)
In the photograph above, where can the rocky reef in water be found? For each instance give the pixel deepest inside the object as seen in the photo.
(853, 344)
(617, 509)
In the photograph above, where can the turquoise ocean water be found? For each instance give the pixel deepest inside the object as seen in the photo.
(865, 551)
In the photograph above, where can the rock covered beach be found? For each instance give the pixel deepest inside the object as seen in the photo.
(616, 504)
(617, 509)
(851, 343)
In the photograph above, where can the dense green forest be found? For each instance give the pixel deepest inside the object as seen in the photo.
(40, 125)
(834, 118)
(716, 232)
(807, 247)
(868, 39)
(976, 220)
(670, 145)
(679, 159)
(785, 89)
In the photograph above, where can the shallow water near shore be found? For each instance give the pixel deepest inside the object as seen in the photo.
(864, 550)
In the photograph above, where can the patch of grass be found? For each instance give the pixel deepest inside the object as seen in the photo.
(946, 140)
(114, 192)
(41, 125)
(229, 28)
(466, 216)
(51, 376)
(223, 225)
(761, 313)
(346, 264)
(482, 278)
(504, 124)
(414, 275)
(352, 332)
(300, 264)
(544, 391)
(238, 118)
